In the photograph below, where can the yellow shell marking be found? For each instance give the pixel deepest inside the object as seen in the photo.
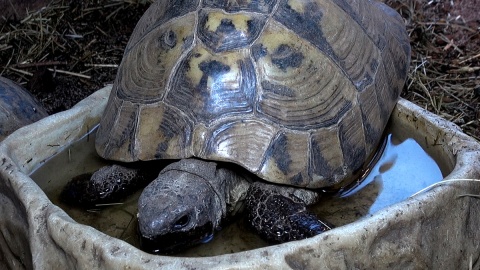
(239, 21)
(229, 80)
(194, 73)
(297, 6)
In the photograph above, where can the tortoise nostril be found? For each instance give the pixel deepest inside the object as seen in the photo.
(181, 222)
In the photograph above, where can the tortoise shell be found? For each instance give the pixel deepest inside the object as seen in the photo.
(297, 92)
(17, 107)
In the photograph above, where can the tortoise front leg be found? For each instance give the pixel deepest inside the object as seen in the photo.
(278, 215)
(110, 184)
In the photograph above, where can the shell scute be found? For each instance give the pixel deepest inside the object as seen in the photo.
(163, 133)
(305, 19)
(222, 32)
(373, 122)
(326, 165)
(209, 86)
(352, 139)
(301, 88)
(117, 137)
(145, 71)
(228, 141)
(336, 34)
(17, 107)
(285, 159)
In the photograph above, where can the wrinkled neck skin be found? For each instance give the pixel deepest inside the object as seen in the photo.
(187, 202)
(234, 185)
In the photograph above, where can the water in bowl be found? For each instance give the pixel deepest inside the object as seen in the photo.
(403, 169)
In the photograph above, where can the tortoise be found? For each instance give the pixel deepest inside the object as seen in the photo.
(17, 107)
(259, 105)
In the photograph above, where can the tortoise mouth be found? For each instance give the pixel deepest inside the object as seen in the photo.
(177, 241)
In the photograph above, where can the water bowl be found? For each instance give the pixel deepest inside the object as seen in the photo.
(418, 215)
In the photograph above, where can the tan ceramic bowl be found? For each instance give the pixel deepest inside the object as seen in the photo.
(436, 229)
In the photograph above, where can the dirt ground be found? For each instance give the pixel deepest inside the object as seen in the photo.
(62, 51)
(445, 63)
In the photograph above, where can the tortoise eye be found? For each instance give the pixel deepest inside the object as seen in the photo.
(181, 222)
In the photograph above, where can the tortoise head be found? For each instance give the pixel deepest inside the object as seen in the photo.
(180, 208)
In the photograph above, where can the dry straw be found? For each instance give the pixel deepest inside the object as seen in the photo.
(443, 78)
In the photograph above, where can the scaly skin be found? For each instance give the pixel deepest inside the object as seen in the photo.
(110, 184)
(278, 217)
(190, 199)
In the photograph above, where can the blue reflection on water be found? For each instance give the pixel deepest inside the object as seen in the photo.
(403, 169)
